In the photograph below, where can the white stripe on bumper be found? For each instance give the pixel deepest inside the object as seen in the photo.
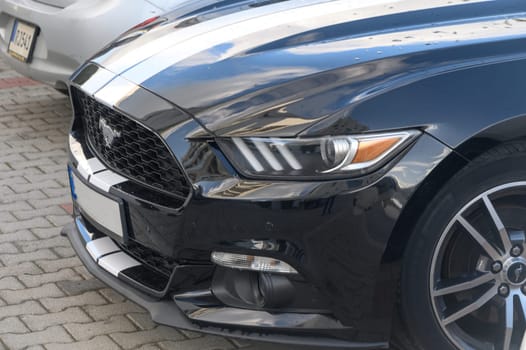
(101, 247)
(117, 262)
(107, 254)
(89, 167)
(105, 179)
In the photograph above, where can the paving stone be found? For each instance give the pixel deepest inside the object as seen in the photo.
(190, 334)
(41, 322)
(57, 264)
(132, 340)
(13, 158)
(53, 242)
(22, 175)
(49, 335)
(12, 325)
(81, 270)
(44, 212)
(203, 343)
(42, 144)
(7, 150)
(12, 207)
(18, 296)
(44, 233)
(39, 176)
(8, 248)
(18, 236)
(101, 343)
(36, 347)
(10, 283)
(142, 320)
(78, 286)
(33, 195)
(47, 202)
(68, 208)
(4, 167)
(59, 191)
(65, 252)
(86, 299)
(17, 270)
(85, 331)
(103, 312)
(35, 280)
(6, 216)
(24, 224)
(33, 153)
(112, 295)
(60, 219)
(30, 186)
(27, 308)
(149, 347)
(40, 163)
(13, 259)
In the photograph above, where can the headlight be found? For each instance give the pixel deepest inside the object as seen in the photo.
(331, 156)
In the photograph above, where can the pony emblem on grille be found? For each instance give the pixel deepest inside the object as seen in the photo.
(108, 133)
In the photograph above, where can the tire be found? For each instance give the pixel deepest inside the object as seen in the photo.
(445, 256)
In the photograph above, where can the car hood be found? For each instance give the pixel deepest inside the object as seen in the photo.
(278, 67)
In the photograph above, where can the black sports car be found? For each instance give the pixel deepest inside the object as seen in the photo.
(340, 173)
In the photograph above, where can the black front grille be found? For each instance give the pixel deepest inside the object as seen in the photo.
(129, 148)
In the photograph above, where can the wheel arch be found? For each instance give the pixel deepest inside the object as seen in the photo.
(508, 131)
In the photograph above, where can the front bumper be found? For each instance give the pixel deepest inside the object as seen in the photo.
(168, 313)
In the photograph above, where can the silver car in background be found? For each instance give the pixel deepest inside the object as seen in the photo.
(47, 40)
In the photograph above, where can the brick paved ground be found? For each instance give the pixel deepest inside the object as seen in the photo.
(47, 298)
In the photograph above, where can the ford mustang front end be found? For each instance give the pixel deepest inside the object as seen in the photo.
(257, 169)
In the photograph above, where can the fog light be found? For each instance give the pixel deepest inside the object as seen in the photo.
(251, 262)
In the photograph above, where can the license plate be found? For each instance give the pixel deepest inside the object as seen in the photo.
(22, 41)
(99, 209)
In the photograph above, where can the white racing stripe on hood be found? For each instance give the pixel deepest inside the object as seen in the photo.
(121, 62)
(297, 20)
(224, 30)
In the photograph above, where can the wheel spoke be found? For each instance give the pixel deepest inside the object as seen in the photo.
(490, 250)
(504, 236)
(456, 287)
(508, 332)
(477, 304)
